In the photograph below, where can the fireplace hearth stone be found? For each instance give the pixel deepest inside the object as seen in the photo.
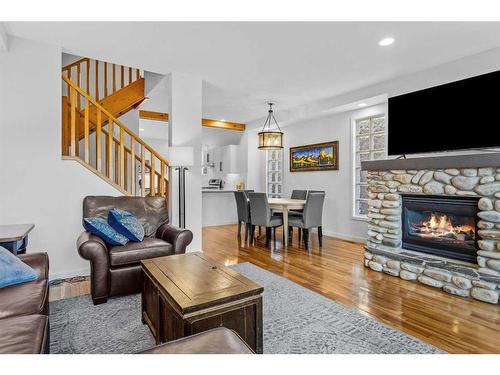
(383, 251)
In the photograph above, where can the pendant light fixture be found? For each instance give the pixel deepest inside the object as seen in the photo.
(269, 138)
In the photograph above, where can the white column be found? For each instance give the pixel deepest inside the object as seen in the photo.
(185, 113)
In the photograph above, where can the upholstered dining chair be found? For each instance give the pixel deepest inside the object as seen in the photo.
(296, 194)
(299, 194)
(243, 209)
(312, 217)
(260, 214)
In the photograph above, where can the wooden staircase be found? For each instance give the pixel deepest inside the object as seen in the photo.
(93, 135)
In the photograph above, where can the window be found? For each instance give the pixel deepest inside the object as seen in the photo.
(274, 173)
(369, 141)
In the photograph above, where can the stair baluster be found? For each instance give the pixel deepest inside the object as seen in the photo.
(120, 150)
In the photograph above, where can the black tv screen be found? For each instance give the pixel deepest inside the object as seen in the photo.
(455, 116)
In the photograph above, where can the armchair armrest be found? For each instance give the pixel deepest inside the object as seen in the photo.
(39, 262)
(179, 238)
(93, 248)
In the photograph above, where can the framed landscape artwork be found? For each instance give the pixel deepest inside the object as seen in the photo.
(317, 157)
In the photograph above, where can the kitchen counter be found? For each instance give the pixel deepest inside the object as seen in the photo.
(218, 207)
(217, 191)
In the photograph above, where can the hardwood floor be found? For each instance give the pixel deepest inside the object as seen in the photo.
(69, 288)
(336, 271)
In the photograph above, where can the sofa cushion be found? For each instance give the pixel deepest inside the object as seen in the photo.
(24, 334)
(126, 224)
(103, 230)
(24, 299)
(215, 341)
(13, 271)
(134, 252)
(150, 211)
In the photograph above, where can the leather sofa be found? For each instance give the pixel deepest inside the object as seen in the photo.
(215, 341)
(24, 310)
(116, 270)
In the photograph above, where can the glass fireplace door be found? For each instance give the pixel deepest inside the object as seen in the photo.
(443, 226)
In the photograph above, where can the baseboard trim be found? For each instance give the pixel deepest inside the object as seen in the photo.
(342, 236)
(219, 224)
(346, 237)
(69, 274)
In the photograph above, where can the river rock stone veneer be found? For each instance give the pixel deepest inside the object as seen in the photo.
(383, 252)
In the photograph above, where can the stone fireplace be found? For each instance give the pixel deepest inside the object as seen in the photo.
(436, 221)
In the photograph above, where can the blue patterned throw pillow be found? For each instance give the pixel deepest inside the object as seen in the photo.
(126, 224)
(102, 229)
(13, 271)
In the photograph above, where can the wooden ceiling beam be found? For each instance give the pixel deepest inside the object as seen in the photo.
(222, 124)
(161, 116)
(152, 115)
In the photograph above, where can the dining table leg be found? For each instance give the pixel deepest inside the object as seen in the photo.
(285, 224)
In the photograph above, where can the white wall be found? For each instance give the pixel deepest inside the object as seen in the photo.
(256, 161)
(36, 185)
(184, 109)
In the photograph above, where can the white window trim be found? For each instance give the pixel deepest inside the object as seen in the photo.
(354, 215)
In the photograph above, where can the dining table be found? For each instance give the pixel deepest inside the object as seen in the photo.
(284, 205)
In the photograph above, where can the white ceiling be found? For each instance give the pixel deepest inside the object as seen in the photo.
(245, 64)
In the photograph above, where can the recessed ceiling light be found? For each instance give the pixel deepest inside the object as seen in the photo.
(362, 105)
(386, 41)
(141, 129)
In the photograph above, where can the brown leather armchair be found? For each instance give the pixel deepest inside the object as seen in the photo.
(116, 270)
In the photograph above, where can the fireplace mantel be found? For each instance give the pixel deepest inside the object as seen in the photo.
(434, 162)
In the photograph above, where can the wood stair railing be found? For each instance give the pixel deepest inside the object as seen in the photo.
(85, 70)
(114, 153)
(117, 96)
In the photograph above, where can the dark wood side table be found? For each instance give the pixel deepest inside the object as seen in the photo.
(190, 293)
(15, 237)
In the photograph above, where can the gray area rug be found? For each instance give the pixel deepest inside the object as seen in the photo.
(296, 320)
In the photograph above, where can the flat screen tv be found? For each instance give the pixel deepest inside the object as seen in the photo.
(456, 116)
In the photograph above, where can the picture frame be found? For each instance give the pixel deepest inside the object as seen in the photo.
(315, 157)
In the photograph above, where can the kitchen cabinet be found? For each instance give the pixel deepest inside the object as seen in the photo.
(212, 156)
(227, 159)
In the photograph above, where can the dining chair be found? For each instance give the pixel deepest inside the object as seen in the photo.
(260, 214)
(246, 195)
(243, 209)
(312, 217)
(315, 191)
(299, 194)
(296, 194)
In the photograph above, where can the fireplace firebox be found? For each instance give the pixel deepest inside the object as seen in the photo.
(440, 225)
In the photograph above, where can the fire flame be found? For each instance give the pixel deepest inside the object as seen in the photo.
(441, 225)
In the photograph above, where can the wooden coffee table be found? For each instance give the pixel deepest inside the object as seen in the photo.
(190, 293)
